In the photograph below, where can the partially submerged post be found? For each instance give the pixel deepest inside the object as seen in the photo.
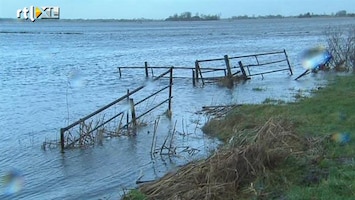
(198, 72)
(229, 76)
(288, 62)
(62, 140)
(133, 112)
(193, 78)
(170, 91)
(151, 70)
(196, 69)
(242, 70)
(119, 71)
(146, 69)
(127, 115)
(228, 66)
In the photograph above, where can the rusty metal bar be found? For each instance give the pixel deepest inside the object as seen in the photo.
(214, 70)
(260, 54)
(209, 60)
(141, 101)
(107, 121)
(268, 72)
(256, 58)
(161, 75)
(161, 103)
(268, 63)
(157, 67)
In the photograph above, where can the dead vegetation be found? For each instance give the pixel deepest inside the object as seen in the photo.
(224, 174)
(341, 44)
(217, 112)
(229, 82)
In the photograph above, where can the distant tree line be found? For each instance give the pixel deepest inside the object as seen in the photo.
(187, 16)
(254, 17)
(341, 13)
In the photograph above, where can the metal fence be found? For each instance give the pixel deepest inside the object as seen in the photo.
(118, 117)
(246, 65)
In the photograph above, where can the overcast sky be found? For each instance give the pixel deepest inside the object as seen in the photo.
(161, 9)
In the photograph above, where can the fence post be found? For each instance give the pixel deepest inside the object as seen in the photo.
(146, 69)
(170, 89)
(193, 78)
(229, 71)
(152, 72)
(196, 69)
(133, 112)
(288, 62)
(242, 69)
(119, 71)
(62, 140)
(127, 115)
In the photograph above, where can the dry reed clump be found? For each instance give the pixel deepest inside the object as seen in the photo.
(229, 81)
(224, 173)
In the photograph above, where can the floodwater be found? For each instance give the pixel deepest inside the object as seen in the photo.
(52, 73)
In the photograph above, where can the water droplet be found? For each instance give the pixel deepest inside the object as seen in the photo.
(76, 78)
(315, 58)
(13, 182)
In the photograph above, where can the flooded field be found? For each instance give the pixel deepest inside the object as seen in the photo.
(39, 94)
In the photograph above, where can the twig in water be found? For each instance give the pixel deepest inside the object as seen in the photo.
(172, 136)
(183, 127)
(197, 122)
(154, 139)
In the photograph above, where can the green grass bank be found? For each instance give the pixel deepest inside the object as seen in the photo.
(328, 173)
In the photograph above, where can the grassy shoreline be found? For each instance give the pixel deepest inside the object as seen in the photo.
(319, 164)
(328, 113)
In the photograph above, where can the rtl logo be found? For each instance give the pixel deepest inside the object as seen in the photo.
(44, 12)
